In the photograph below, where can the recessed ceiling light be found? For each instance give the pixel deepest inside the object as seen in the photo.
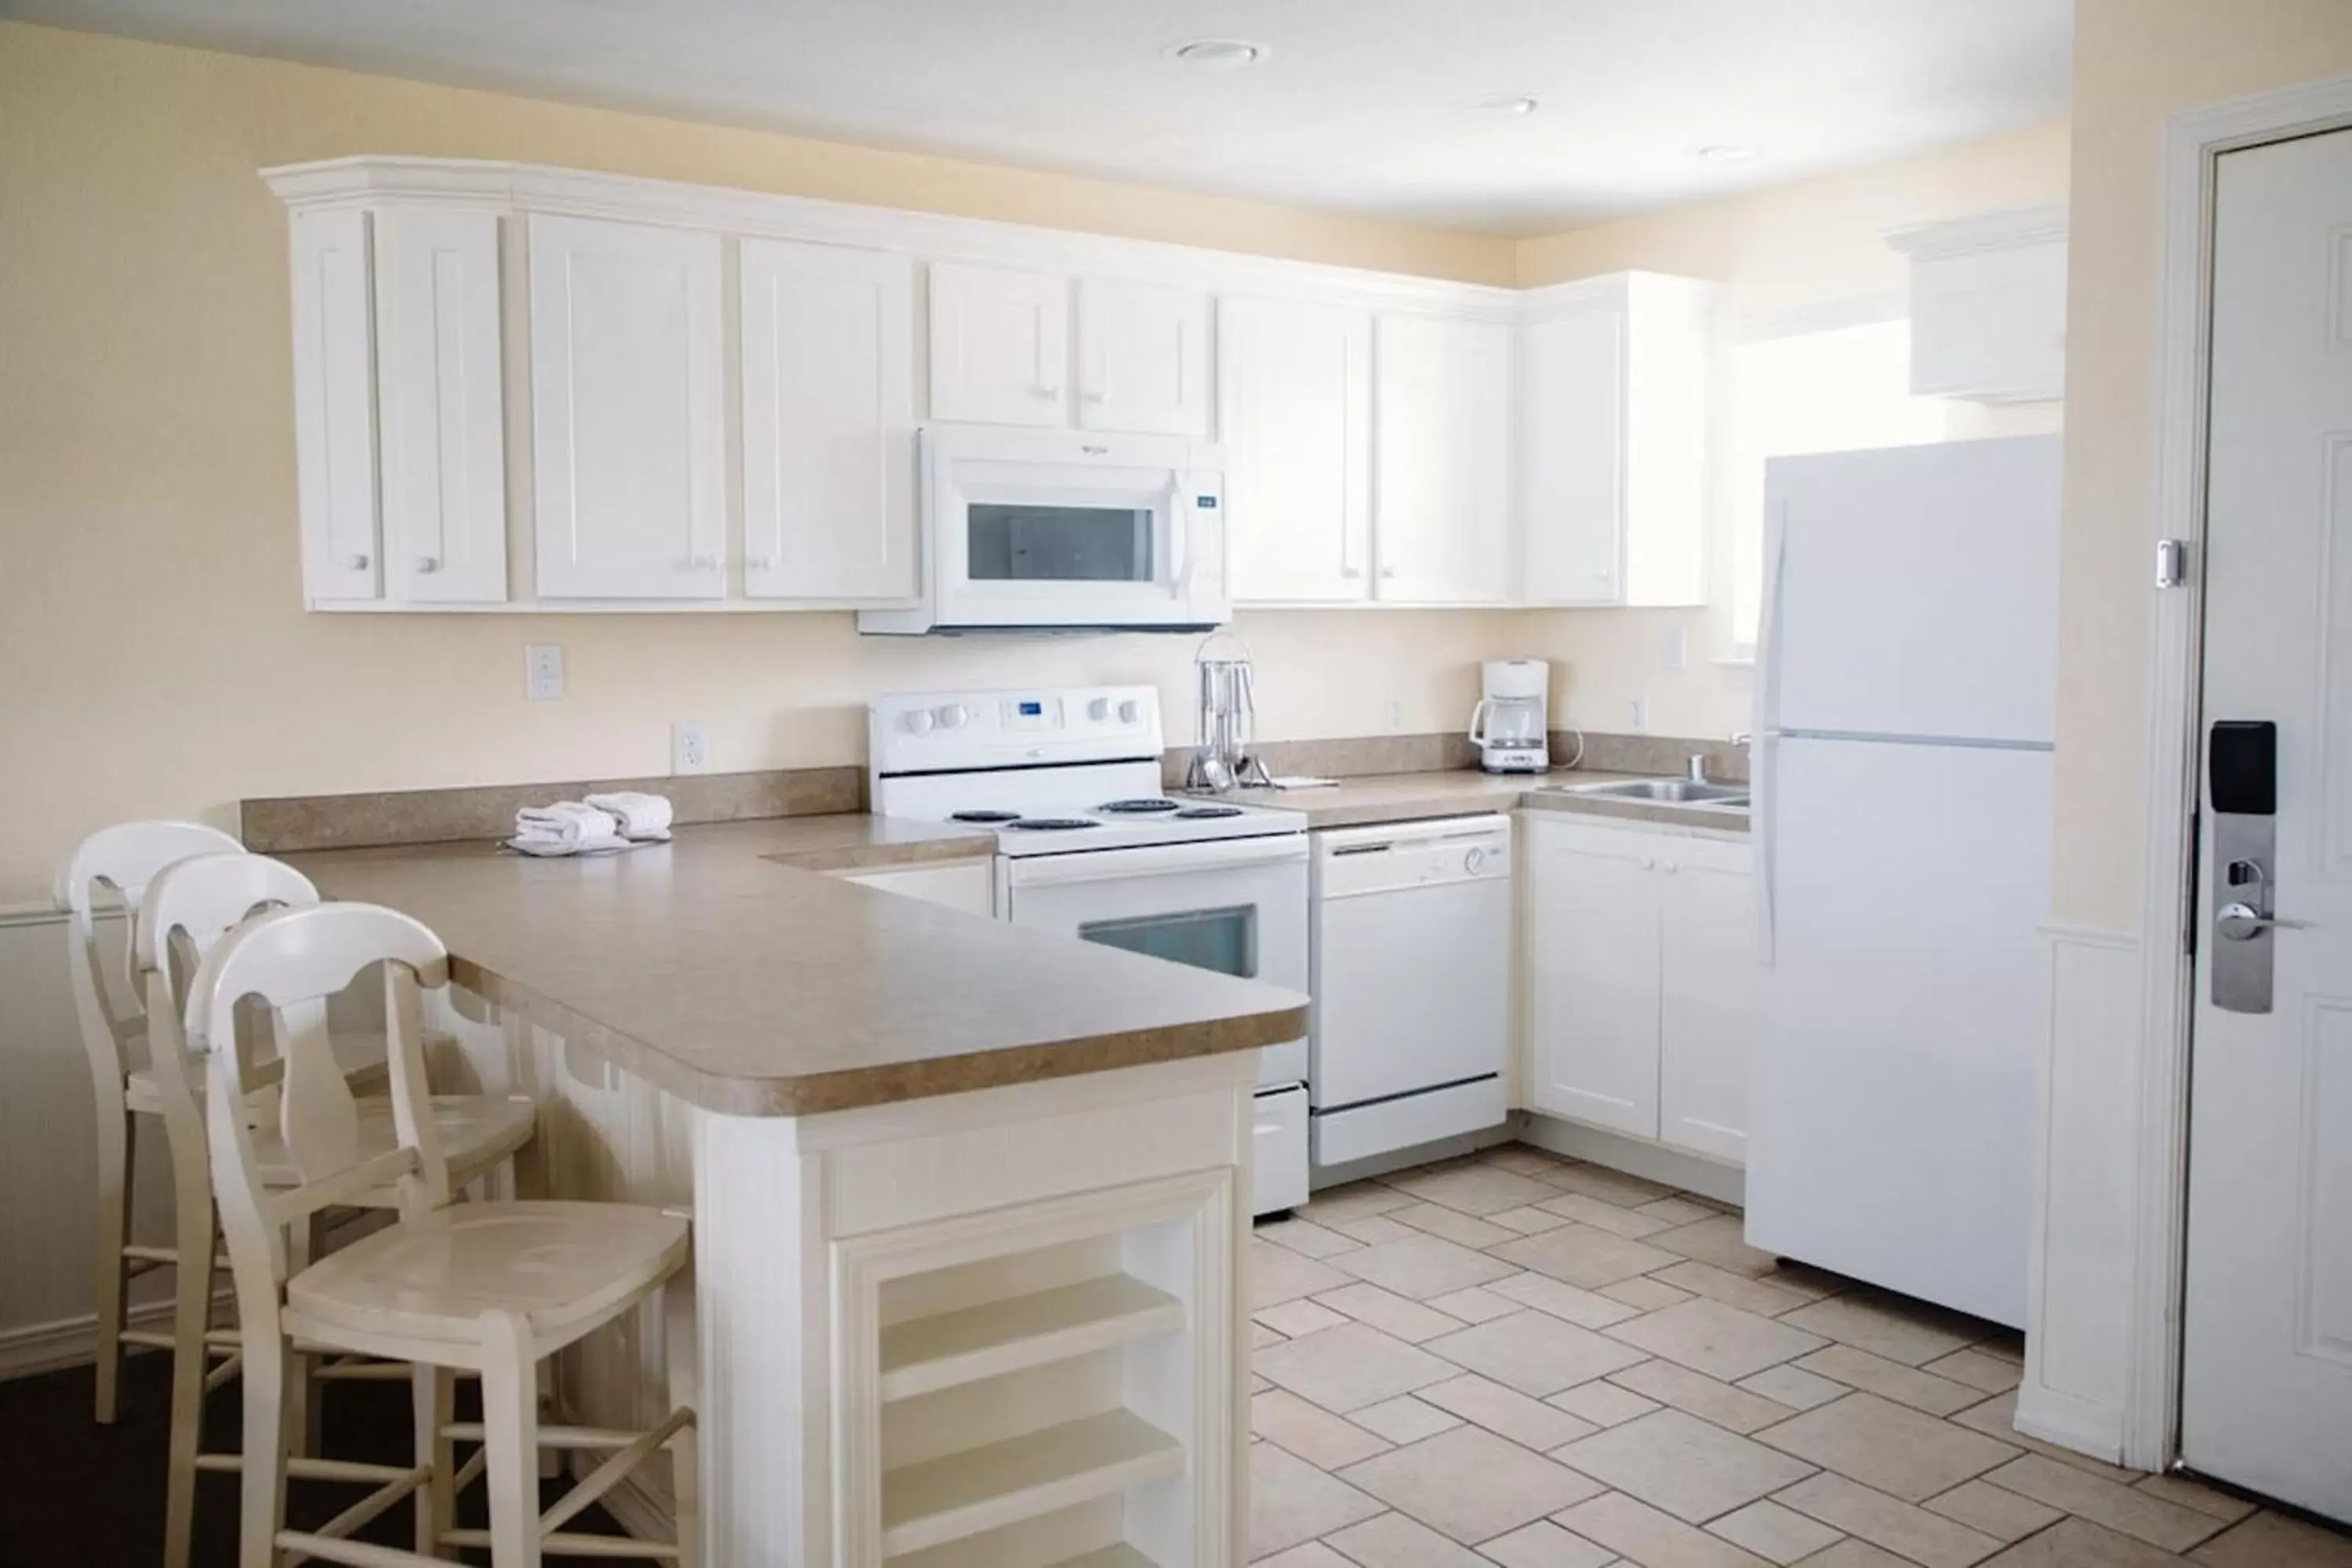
(1502, 105)
(1727, 153)
(1219, 54)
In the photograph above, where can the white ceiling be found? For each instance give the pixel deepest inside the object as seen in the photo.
(1358, 104)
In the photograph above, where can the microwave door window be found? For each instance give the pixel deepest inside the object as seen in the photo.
(1015, 543)
(1224, 940)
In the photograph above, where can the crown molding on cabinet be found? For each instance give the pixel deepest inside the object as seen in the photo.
(371, 180)
(1982, 231)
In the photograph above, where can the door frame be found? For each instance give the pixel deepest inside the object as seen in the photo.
(2194, 141)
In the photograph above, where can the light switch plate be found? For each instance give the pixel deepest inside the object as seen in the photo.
(1674, 649)
(543, 671)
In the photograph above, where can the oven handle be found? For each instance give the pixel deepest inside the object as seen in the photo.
(1157, 860)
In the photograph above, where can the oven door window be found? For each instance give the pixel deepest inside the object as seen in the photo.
(1223, 939)
(1017, 542)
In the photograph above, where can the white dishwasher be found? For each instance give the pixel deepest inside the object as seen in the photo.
(1411, 954)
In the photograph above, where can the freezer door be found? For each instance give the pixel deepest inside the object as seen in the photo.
(1913, 591)
(1894, 1085)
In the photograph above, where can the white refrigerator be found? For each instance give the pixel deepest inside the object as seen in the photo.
(1906, 705)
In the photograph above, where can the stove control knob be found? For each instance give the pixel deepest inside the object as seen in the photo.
(1473, 861)
(1128, 712)
(954, 716)
(1098, 710)
(918, 722)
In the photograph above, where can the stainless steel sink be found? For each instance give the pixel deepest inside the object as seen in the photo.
(1666, 791)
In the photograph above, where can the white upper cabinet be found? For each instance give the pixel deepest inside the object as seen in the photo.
(1612, 441)
(1442, 484)
(1143, 357)
(627, 444)
(1988, 306)
(829, 474)
(443, 415)
(1295, 417)
(334, 406)
(1000, 347)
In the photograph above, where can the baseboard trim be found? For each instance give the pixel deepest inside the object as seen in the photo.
(2085, 1426)
(36, 1348)
(1651, 1162)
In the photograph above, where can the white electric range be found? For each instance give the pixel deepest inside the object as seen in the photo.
(1089, 844)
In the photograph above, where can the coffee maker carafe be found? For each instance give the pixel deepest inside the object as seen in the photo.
(1509, 725)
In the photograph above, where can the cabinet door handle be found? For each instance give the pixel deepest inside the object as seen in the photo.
(1672, 867)
(429, 564)
(356, 562)
(1648, 864)
(701, 562)
(762, 563)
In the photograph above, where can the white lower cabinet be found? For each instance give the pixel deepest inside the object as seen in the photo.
(1642, 975)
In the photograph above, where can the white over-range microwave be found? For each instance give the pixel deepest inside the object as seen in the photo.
(1053, 531)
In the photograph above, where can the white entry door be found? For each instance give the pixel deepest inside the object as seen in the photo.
(2267, 1370)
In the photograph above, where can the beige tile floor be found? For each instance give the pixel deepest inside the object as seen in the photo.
(1516, 1360)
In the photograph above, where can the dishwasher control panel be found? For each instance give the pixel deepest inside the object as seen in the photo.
(1396, 856)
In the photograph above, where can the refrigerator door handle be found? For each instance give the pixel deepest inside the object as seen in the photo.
(1762, 765)
(1763, 750)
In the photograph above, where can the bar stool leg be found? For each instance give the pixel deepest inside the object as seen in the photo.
(681, 1345)
(510, 1426)
(115, 1145)
(191, 1314)
(435, 1397)
(265, 1433)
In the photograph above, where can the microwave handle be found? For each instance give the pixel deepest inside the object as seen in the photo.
(1180, 523)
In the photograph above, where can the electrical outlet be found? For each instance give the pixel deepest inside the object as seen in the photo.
(1396, 713)
(1674, 649)
(690, 748)
(1637, 713)
(543, 671)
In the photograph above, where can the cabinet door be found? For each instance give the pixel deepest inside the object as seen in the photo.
(1592, 962)
(1295, 406)
(828, 423)
(626, 389)
(444, 411)
(1143, 357)
(1442, 481)
(1991, 324)
(1572, 457)
(1000, 345)
(1709, 989)
(334, 406)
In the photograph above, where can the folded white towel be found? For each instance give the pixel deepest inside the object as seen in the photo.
(566, 822)
(531, 843)
(640, 816)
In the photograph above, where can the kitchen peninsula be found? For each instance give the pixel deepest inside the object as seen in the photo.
(970, 1200)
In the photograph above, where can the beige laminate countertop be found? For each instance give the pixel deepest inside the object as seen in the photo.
(720, 969)
(1414, 798)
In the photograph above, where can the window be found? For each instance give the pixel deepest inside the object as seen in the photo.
(1835, 391)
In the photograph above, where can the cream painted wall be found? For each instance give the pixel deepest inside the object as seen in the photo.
(2135, 62)
(157, 658)
(1779, 253)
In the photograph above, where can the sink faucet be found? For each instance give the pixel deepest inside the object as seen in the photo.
(1696, 772)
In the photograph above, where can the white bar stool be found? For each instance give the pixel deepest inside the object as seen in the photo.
(188, 907)
(119, 861)
(493, 1287)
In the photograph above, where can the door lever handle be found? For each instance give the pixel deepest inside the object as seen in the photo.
(2243, 922)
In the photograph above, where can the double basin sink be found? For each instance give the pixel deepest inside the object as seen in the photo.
(1727, 797)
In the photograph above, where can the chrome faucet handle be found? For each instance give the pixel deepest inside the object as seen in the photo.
(1742, 738)
(1696, 772)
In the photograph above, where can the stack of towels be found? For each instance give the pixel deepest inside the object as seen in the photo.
(599, 825)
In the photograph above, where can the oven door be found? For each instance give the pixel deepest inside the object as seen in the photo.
(1237, 906)
(1046, 528)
